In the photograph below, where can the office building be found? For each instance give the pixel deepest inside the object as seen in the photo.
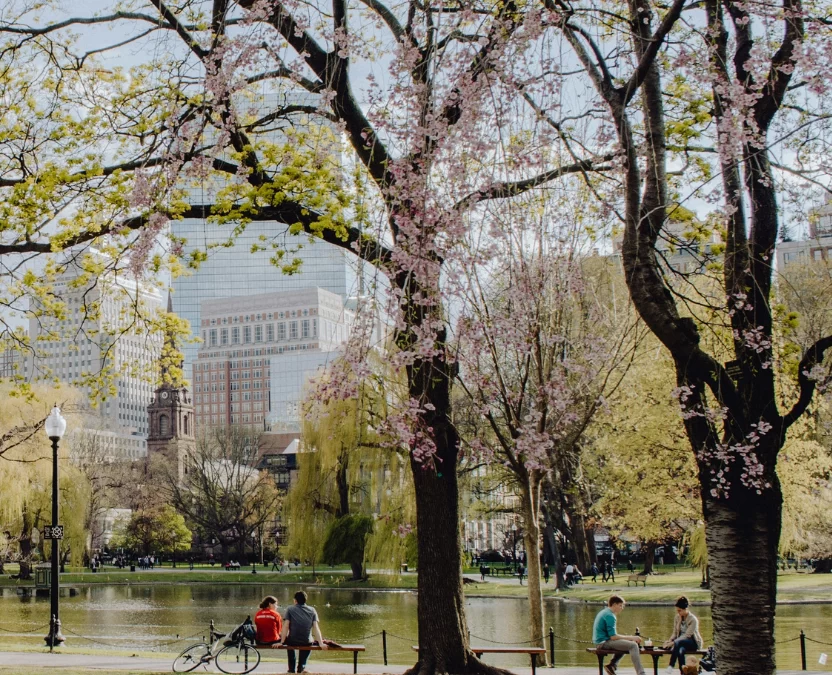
(99, 339)
(248, 343)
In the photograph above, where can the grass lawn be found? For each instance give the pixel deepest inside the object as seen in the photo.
(339, 577)
(665, 588)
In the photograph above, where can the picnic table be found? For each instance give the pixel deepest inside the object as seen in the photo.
(656, 653)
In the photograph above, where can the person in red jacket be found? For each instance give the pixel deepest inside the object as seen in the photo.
(269, 623)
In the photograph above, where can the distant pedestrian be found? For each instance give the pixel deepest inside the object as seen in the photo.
(520, 572)
(546, 572)
(610, 569)
(594, 570)
(483, 570)
(569, 574)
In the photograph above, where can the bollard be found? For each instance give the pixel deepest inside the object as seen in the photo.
(802, 650)
(384, 645)
(552, 647)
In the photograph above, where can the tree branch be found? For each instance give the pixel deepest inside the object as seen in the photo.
(813, 356)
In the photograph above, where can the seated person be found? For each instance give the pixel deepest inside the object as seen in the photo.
(686, 637)
(605, 636)
(300, 623)
(269, 623)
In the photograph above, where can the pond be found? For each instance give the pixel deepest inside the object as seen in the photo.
(141, 617)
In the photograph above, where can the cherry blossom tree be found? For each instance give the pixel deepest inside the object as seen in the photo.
(734, 90)
(540, 348)
(249, 97)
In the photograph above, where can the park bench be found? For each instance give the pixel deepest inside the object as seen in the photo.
(501, 570)
(655, 653)
(341, 648)
(636, 578)
(534, 652)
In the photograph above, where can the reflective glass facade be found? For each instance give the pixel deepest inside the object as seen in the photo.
(238, 272)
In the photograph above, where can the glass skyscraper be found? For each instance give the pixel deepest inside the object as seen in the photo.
(236, 271)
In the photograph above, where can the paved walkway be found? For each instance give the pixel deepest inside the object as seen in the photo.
(26, 660)
(21, 662)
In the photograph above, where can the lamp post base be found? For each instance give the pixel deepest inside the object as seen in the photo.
(55, 637)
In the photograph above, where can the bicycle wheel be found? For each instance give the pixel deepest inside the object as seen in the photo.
(238, 658)
(191, 658)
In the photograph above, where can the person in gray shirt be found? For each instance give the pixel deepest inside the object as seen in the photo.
(300, 623)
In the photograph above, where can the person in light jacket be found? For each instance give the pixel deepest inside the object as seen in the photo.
(686, 637)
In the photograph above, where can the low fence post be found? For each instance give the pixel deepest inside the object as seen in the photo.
(551, 647)
(802, 650)
(384, 645)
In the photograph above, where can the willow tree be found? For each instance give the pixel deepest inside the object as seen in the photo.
(25, 478)
(348, 472)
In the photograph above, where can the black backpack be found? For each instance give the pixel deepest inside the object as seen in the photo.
(245, 631)
(709, 662)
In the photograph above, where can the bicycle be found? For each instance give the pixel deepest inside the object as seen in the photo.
(236, 655)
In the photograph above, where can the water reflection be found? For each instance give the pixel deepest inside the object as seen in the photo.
(141, 616)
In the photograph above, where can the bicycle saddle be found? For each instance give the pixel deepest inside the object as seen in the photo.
(217, 636)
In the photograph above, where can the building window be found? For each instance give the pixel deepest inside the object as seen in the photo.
(185, 424)
(304, 328)
(246, 334)
(270, 332)
(258, 333)
(164, 425)
(281, 331)
(224, 336)
(293, 330)
(213, 335)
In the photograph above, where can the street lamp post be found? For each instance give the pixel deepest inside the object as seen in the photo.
(55, 427)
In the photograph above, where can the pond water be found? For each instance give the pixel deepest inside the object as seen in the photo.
(143, 616)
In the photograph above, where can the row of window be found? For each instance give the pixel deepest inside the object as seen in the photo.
(224, 336)
(235, 419)
(263, 317)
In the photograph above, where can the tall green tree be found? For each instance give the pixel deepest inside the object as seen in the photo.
(349, 471)
(154, 531)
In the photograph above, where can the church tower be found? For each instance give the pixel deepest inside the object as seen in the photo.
(171, 419)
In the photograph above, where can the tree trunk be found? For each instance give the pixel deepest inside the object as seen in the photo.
(822, 566)
(357, 571)
(530, 501)
(443, 630)
(552, 541)
(649, 557)
(579, 540)
(742, 534)
(343, 485)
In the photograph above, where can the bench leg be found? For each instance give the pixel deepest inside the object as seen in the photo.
(600, 664)
(534, 664)
(355, 663)
(655, 663)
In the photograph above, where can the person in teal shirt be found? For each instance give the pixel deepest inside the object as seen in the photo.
(605, 636)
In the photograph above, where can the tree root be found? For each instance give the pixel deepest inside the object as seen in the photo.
(473, 667)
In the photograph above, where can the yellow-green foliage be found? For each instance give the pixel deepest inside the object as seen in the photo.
(644, 467)
(341, 448)
(805, 471)
(26, 469)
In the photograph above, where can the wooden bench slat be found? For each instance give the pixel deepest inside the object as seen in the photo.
(312, 648)
(655, 653)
